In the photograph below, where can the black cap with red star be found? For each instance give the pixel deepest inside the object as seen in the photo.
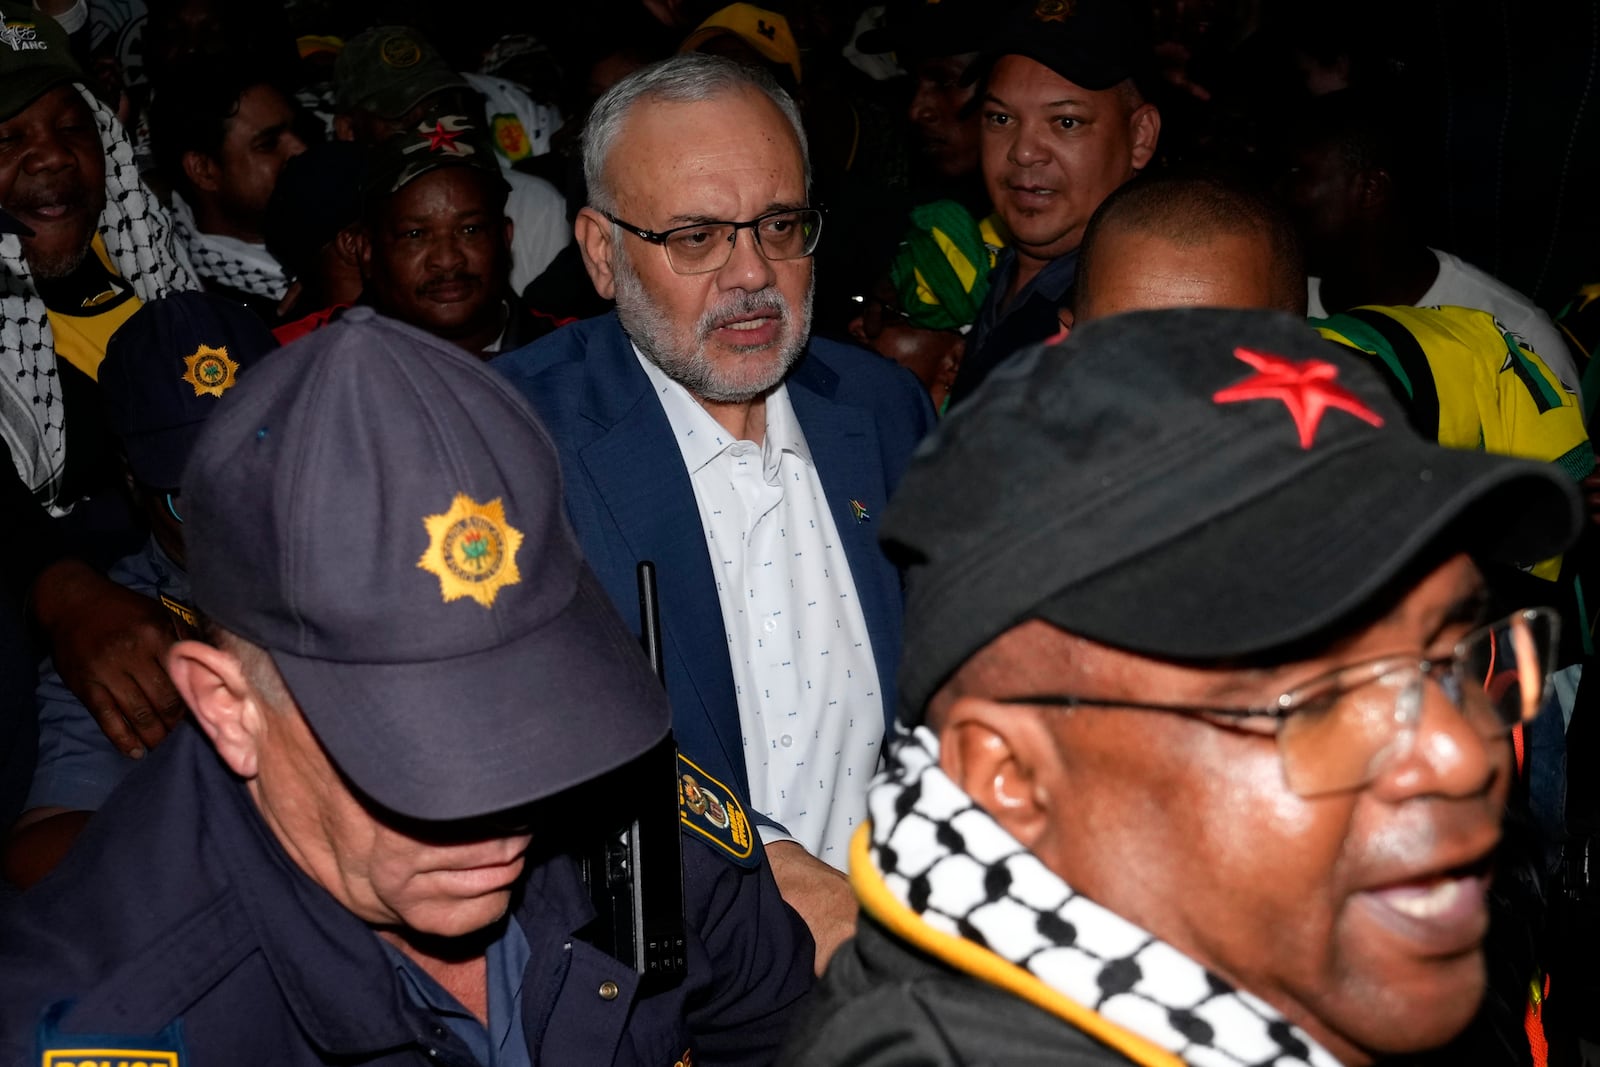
(1195, 484)
(437, 141)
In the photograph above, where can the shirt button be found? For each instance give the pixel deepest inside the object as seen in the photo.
(608, 990)
(786, 741)
(770, 625)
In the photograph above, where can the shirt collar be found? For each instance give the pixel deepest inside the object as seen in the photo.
(702, 438)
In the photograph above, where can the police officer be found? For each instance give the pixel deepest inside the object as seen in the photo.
(361, 854)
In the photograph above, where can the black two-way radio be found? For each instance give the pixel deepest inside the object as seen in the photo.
(635, 872)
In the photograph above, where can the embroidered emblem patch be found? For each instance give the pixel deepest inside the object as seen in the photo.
(859, 510)
(707, 809)
(511, 137)
(210, 370)
(400, 52)
(1052, 10)
(109, 1057)
(56, 1049)
(472, 549)
(1305, 386)
(442, 137)
(22, 36)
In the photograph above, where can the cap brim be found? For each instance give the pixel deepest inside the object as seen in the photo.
(1292, 567)
(24, 87)
(491, 731)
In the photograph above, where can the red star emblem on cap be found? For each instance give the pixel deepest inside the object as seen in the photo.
(439, 137)
(1306, 387)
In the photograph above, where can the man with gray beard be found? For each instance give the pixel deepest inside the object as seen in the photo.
(700, 427)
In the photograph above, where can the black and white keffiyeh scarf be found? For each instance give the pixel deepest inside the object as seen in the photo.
(138, 237)
(938, 855)
(228, 261)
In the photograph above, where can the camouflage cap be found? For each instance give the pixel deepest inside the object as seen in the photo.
(389, 70)
(437, 141)
(34, 57)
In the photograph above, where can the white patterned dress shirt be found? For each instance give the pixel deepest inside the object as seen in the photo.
(810, 708)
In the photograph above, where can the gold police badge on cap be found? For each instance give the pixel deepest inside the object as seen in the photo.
(472, 549)
(210, 370)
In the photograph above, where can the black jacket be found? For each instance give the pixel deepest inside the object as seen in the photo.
(179, 924)
(886, 1003)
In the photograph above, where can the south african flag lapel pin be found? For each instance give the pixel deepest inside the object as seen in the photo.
(859, 510)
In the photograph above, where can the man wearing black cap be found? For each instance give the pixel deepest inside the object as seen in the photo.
(92, 242)
(434, 245)
(389, 79)
(165, 371)
(1064, 124)
(361, 854)
(1199, 762)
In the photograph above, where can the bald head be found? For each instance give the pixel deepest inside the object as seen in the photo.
(1188, 242)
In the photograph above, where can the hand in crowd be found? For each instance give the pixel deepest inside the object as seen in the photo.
(819, 893)
(109, 644)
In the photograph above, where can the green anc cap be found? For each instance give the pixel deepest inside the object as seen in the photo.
(437, 141)
(34, 57)
(941, 270)
(390, 70)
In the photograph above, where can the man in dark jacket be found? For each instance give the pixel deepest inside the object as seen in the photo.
(367, 852)
(1199, 762)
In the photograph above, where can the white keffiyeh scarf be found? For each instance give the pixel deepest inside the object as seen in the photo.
(228, 261)
(950, 863)
(138, 236)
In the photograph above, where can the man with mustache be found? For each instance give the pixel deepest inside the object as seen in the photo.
(700, 428)
(87, 245)
(434, 246)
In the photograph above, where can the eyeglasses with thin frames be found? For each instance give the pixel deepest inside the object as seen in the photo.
(703, 247)
(1337, 730)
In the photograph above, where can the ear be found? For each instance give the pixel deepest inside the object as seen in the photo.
(593, 231)
(1004, 757)
(511, 229)
(858, 330)
(212, 682)
(1144, 126)
(1373, 191)
(201, 171)
(361, 246)
(344, 129)
(950, 361)
(347, 245)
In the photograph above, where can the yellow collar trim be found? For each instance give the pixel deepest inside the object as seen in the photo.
(964, 955)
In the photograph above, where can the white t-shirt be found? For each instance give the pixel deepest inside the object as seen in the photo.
(539, 227)
(1460, 284)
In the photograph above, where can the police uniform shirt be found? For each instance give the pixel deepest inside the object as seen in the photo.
(178, 931)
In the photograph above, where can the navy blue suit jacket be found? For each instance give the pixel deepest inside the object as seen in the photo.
(630, 499)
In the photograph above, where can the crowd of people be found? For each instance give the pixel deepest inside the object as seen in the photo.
(931, 532)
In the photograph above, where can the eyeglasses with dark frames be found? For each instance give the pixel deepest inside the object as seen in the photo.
(707, 246)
